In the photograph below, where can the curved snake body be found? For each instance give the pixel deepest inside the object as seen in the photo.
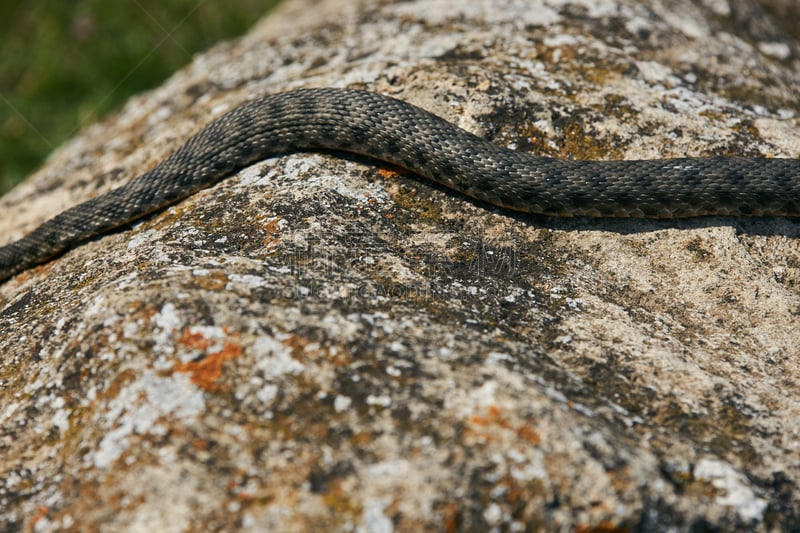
(399, 133)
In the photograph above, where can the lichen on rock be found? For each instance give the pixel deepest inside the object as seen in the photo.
(322, 342)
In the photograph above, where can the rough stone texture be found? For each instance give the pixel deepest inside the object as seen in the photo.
(324, 343)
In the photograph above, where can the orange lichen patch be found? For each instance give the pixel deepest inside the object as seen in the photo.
(362, 438)
(527, 433)
(245, 497)
(195, 340)
(115, 386)
(603, 527)
(41, 512)
(451, 518)
(487, 424)
(391, 171)
(514, 492)
(42, 270)
(492, 418)
(262, 495)
(213, 281)
(206, 372)
(273, 226)
(272, 230)
(295, 343)
(139, 310)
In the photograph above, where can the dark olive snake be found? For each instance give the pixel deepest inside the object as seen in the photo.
(399, 133)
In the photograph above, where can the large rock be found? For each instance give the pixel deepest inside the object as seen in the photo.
(324, 343)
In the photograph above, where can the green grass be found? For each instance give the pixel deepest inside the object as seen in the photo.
(67, 64)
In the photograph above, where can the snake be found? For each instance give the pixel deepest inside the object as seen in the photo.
(396, 132)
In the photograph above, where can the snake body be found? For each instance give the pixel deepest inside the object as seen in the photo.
(394, 131)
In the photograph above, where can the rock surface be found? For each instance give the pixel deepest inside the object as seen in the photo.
(324, 343)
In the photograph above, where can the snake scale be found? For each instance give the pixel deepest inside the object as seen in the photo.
(394, 131)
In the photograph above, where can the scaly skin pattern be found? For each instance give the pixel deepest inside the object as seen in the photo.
(399, 133)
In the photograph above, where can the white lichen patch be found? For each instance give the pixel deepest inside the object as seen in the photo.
(273, 358)
(167, 322)
(139, 409)
(735, 490)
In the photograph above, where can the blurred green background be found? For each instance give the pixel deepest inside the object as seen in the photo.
(65, 64)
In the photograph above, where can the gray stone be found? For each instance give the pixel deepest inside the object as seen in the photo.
(324, 343)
